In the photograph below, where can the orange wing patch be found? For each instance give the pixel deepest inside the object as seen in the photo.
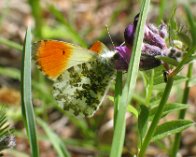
(97, 47)
(52, 56)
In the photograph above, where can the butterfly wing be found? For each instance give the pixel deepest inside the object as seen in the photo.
(81, 88)
(54, 57)
(81, 76)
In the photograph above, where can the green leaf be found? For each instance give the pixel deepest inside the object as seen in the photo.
(57, 143)
(143, 122)
(168, 109)
(132, 110)
(179, 79)
(159, 82)
(138, 98)
(191, 23)
(168, 60)
(26, 96)
(159, 75)
(170, 128)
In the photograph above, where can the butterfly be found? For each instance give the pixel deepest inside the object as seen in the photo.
(81, 76)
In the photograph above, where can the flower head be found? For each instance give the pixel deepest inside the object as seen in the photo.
(154, 44)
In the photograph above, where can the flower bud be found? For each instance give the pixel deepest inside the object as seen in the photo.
(153, 38)
(163, 31)
(130, 31)
(151, 50)
(129, 35)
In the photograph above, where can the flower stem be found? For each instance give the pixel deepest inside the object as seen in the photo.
(118, 92)
(157, 117)
(182, 113)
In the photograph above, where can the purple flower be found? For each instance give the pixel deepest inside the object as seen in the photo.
(129, 35)
(123, 58)
(151, 50)
(153, 44)
(152, 37)
(163, 31)
(130, 32)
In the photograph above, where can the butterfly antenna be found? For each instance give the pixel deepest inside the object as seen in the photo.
(110, 36)
(122, 43)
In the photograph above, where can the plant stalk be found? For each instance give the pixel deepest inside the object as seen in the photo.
(157, 117)
(182, 113)
(118, 92)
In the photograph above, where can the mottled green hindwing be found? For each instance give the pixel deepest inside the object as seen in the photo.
(80, 89)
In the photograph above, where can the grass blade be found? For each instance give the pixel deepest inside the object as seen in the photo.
(10, 72)
(26, 95)
(191, 23)
(59, 16)
(10, 44)
(119, 132)
(37, 15)
(55, 140)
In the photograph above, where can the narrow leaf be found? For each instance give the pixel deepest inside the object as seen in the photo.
(10, 72)
(57, 143)
(170, 128)
(191, 23)
(26, 95)
(132, 110)
(168, 60)
(168, 109)
(60, 17)
(159, 82)
(143, 121)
